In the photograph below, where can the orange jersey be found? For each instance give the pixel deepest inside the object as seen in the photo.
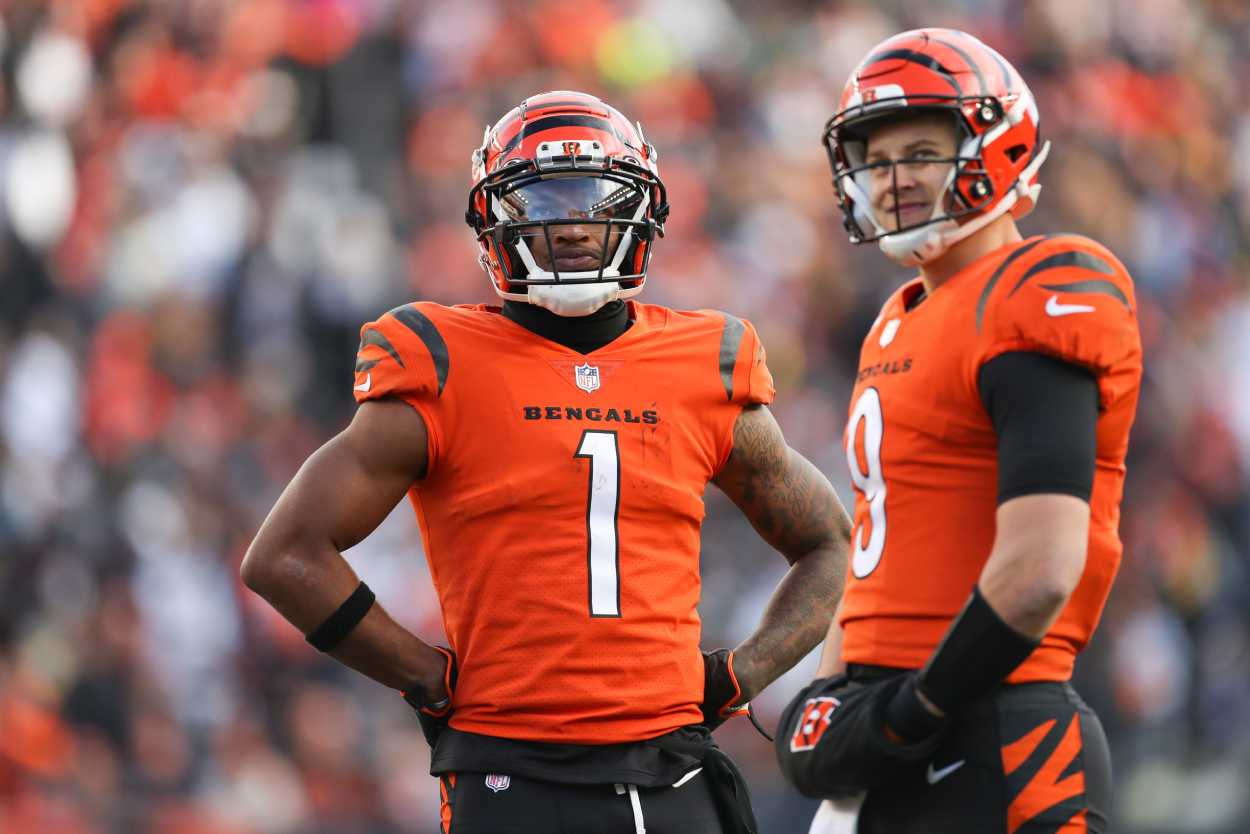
(923, 453)
(562, 507)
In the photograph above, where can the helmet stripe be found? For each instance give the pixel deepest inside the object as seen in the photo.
(967, 60)
(526, 106)
(551, 122)
(998, 59)
(1006, 75)
(546, 105)
(927, 61)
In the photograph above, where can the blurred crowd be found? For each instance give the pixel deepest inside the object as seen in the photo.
(203, 200)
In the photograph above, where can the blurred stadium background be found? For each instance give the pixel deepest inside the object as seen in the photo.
(203, 200)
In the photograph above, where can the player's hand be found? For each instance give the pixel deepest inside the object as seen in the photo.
(910, 717)
(434, 716)
(832, 742)
(721, 691)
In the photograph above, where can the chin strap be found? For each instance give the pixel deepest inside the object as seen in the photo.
(929, 242)
(573, 299)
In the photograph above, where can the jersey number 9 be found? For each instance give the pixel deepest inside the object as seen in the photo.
(867, 477)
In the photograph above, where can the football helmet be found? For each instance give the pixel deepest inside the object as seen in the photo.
(998, 147)
(562, 164)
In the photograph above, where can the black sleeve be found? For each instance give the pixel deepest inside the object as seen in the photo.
(1045, 413)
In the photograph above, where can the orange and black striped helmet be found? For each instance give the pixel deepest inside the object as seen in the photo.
(565, 159)
(998, 144)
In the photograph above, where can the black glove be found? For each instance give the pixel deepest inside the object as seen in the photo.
(720, 689)
(832, 742)
(434, 718)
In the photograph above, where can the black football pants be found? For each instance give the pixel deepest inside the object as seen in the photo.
(1031, 759)
(517, 804)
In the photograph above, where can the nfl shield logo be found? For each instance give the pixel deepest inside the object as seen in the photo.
(498, 783)
(587, 377)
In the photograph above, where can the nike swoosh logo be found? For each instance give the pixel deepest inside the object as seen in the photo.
(367, 383)
(1054, 308)
(935, 776)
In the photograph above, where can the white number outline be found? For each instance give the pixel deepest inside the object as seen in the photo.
(865, 558)
(603, 548)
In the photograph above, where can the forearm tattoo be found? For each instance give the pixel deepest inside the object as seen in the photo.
(795, 509)
(787, 500)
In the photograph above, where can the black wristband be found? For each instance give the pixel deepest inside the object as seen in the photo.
(907, 717)
(976, 654)
(339, 624)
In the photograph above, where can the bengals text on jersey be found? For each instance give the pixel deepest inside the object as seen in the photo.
(562, 506)
(922, 451)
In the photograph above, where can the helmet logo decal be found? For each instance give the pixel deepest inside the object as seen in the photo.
(572, 148)
(884, 95)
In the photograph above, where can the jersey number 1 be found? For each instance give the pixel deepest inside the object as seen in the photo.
(869, 480)
(602, 508)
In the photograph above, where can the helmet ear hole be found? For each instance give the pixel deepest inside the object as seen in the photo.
(1014, 153)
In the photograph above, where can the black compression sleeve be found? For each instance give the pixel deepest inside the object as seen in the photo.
(977, 653)
(1045, 413)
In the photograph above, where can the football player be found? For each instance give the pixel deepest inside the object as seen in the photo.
(556, 450)
(986, 442)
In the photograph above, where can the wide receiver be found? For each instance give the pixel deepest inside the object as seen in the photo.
(556, 451)
(986, 443)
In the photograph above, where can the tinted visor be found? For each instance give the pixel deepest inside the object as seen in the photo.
(573, 198)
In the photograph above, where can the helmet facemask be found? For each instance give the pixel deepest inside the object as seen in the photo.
(965, 189)
(534, 208)
(566, 220)
(968, 191)
(997, 153)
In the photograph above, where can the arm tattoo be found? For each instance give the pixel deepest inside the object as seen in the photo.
(794, 508)
(785, 498)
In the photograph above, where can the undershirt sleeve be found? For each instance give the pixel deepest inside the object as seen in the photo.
(1045, 414)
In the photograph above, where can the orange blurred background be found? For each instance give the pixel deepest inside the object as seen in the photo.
(203, 200)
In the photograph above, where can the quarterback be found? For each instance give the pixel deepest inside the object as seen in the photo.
(986, 442)
(555, 450)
